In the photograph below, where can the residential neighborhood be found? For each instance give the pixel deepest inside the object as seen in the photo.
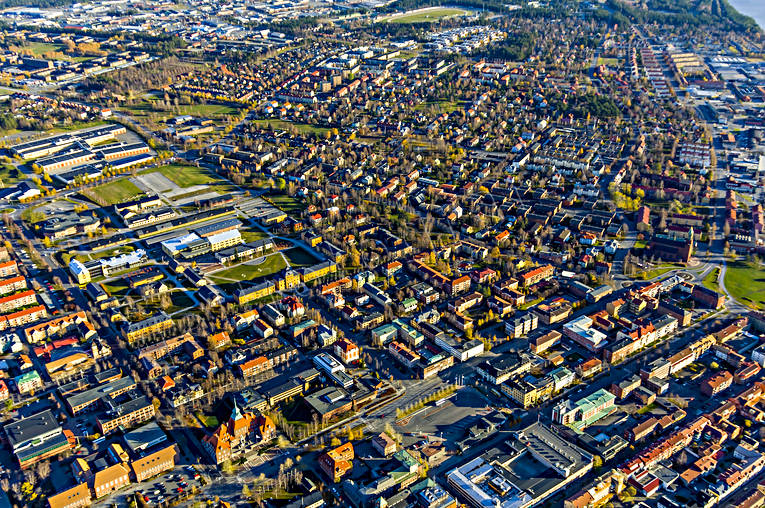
(369, 254)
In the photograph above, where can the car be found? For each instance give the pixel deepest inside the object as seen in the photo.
(146, 498)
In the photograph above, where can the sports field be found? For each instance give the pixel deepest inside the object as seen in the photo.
(427, 16)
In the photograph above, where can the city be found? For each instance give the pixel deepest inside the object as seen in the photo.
(381, 253)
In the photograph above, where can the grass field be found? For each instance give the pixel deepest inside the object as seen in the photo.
(114, 192)
(746, 283)
(117, 287)
(428, 16)
(444, 105)
(287, 204)
(116, 251)
(212, 111)
(298, 256)
(186, 176)
(271, 265)
(710, 281)
(38, 49)
(658, 270)
(10, 175)
(610, 62)
(251, 236)
(302, 128)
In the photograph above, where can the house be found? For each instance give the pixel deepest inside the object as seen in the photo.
(716, 383)
(337, 462)
(237, 436)
(347, 351)
(384, 444)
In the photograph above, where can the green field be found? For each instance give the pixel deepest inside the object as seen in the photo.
(114, 192)
(302, 128)
(287, 204)
(186, 176)
(298, 256)
(117, 287)
(710, 281)
(212, 111)
(428, 16)
(609, 62)
(444, 106)
(271, 265)
(745, 282)
(10, 175)
(38, 49)
(657, 271)
(251, 236)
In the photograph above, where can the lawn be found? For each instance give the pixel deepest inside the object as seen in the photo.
(209, 421)
(38, 49)
(124, 249)
(428, 16)
(298, 256)
(272, 264)
(117, 287)
(213, 111)
(117, 191)
(186, 176)
(658, 271)
(610, 62)
(745, 282)
(302, 128)
(710, 281)
(10, 175)
(444, 105)
(287, 204)
(252, 236)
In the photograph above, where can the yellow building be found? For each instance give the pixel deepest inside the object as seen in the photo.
(255, 293)
(318, 270)
(290, 280)
(147, 327)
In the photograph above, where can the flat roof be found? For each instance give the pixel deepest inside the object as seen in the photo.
(29, 428)
(92, 395)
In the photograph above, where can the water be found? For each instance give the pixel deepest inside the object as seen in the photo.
(752, 8)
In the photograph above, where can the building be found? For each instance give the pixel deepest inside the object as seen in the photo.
(545, 342)
(585, 411)
(240, 434)
(337, 462)
(73, 497)
(148, 327)
(384, 444)
(28, 382)
(536, 275)
(84, 400)
(716, 383)
(535, 464)
(154, 463)
(499, 369)
(37, 437)
(126, 415)
(347, 351)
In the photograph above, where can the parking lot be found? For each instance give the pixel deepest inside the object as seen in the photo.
(156, 490)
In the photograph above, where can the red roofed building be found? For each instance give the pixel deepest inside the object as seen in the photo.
(347, 351)
(336, 463)
(460, 285)
(535, 275)
(236, 436)
(716, 383)
(644, 215)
